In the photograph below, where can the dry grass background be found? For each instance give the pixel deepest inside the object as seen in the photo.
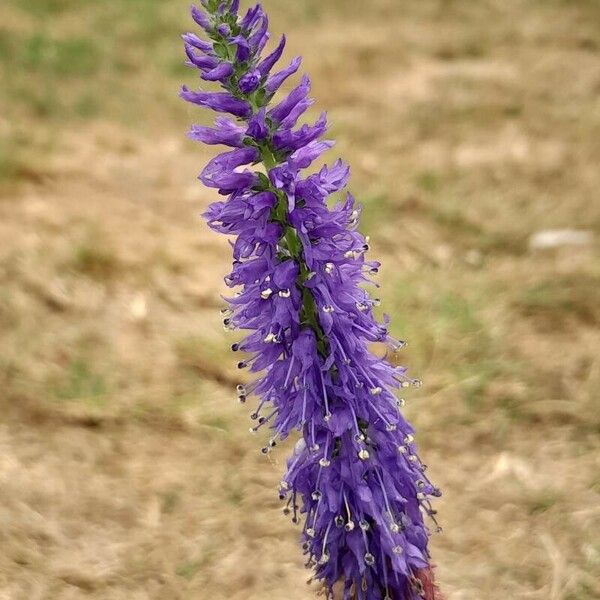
(126, 470)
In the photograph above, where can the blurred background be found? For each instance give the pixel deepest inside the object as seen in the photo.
(473, 130)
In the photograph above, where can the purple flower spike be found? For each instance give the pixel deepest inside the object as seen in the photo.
(219, 101)
(201, 18)
(300, 267)
(250, 81)
(219, 73)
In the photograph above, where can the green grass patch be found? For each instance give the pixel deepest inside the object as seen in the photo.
(94, 257)
(188, 570)
(552, 302)
(50, 8)
(81, 382)
(542, 502)
(456, 312)
(428, 181)
(50, 56)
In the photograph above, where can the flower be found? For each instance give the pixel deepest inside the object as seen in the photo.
(301, 267)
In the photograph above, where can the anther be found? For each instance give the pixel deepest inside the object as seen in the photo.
(329, 268)
(285, 294)
(397, 550)
(363, 454)
(324, 462)
(349, 526)
(369, 559)
(265, 294)
(375, 391)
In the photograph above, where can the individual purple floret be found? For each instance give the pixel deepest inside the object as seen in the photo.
(300, 267)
